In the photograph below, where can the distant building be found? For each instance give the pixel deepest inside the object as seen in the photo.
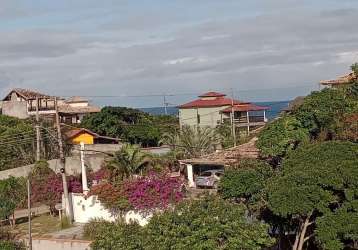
(22, 103)
(340, 81)
(74, 109)
(213, 109)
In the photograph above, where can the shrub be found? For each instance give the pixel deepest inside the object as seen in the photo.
(118, 235)
(112, 197)
(95, 227)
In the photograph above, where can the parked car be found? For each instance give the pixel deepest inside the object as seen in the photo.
(209, 179)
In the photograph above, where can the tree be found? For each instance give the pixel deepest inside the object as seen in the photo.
(321, 110)
(192, 142)
(246, 183)
(132, 125)
(12, 194)
(126, 162)
(281, 136)
(211, 223)
(17, 142)
(316, 181)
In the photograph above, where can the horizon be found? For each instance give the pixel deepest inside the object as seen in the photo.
(265, 50)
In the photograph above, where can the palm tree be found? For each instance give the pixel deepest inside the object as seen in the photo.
(128, 161)
(192, 142)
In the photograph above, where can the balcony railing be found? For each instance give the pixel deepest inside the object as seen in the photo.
(33, 109)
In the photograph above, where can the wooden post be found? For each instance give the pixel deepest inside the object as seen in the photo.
(68, 209)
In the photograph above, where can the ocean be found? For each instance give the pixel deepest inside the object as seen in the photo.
(275, 109)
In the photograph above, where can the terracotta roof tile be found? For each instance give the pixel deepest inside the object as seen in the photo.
(346, 79)
(217, 102)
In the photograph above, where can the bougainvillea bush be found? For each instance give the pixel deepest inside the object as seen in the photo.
(144, 194)
(155, 191)
(47, 187)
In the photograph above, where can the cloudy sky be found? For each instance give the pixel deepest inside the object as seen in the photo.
(263, 49)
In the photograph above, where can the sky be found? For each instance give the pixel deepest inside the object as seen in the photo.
(129, 53)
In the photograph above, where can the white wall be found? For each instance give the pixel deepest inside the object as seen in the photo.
(208, 116)
(59, 244)
(85, 209)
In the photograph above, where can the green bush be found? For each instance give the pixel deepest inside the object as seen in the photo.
(118, 235)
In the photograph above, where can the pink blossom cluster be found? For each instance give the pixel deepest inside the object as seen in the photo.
(154, 191)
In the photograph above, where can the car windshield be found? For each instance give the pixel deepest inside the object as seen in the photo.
(206, 174)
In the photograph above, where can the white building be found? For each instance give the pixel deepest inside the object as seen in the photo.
(212, 109)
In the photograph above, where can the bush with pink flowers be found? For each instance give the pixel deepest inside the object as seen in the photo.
(154, 191)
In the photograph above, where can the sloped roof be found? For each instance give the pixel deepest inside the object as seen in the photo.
(228, 156)
(346, 79)
(76, 99)
(77, 131)
(27, 94)
(67, 109)
(212, 94)
(245, 107)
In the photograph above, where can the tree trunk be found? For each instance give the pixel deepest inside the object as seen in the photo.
(303, 233)
(298, 233)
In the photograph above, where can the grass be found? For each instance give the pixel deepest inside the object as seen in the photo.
(41, 225)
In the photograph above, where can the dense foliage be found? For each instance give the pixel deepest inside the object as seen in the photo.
(329, 114)
(318, 181)
(17, 142)
(192, 142)
(131, 125)
(245, 183)
(126, 162)
(12, 195)
(281, 136)
(210, 223)
(47, 186)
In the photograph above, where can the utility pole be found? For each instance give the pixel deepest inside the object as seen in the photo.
(38, 133)
(29, 211)
(67, 207)
(165, 104)
(233, 130)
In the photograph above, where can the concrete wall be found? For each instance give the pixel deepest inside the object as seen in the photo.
(93, 161)
(85, 209)
(59, 244)
(15, 109)
(209, 117)
(73, 166)
(95, 148)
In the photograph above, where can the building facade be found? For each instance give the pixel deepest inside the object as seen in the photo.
(23, 103)
(213, 109)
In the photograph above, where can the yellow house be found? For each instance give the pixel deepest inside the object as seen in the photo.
(76, 136)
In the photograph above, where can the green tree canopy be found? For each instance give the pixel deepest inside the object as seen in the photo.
(211, 223)
(132, 125)
(281, 136)
(316, 180)
(246, 182)
(16, 142)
